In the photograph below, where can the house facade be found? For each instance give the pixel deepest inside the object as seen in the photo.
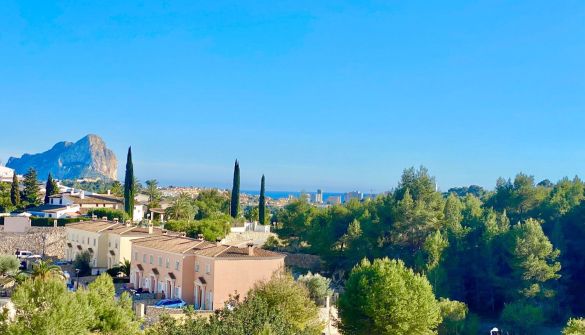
(109, 242)
(86, 201)
(200, 272)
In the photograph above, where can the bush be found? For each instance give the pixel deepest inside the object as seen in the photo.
(522, 317)
(454, 314)
(110, 213)
(318, 287)
(212, 228)
(575, 327)
(49, 222)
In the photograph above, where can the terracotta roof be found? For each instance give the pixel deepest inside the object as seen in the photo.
(133, 231)
(226, 251)
(95, 226)
(171, 243)
(90, 198)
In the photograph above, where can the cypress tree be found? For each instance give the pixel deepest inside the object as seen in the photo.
(15, 191)
(235, 202)
(262, 203)
(50, 188)
(129, 185)
(31, 189)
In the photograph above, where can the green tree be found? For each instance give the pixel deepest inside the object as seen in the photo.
(522, 317)
(575, 327)
(386, 297)
(533, 260)
(262, 202)
(210, 203)
(45, 270)
(15, 191)
(5, 201)
(125, 267)
(31, 189)
(51, 188)
(154, 194)
(129, 185)
(82, 262)
(182, 208)
(235, 199)
(109, 213)
(116, 188)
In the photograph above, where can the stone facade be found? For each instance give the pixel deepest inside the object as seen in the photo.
(32, 240)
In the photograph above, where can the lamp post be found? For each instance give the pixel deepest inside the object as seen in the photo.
(77, 279)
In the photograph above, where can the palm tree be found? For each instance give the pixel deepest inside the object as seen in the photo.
(46, 269)
(182, 208)
(125, 267)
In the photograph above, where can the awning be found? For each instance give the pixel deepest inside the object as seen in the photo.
(69, 245)
(172, 275)
(79, 247)
(155, 271)
(139, 266)
(112, 253)
(201, 281)
(90, 250)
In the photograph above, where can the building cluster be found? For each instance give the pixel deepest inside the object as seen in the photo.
(171, 265)
(74, 203)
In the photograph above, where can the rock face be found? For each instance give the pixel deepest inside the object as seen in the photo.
(87, 158)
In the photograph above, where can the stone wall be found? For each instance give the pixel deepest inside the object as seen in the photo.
(33, 241)
(303, 261)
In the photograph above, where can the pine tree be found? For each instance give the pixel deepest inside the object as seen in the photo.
(129, 185)
(262, 203)
(50, 188)
(235, 203)
(15, 191)
(31, 189)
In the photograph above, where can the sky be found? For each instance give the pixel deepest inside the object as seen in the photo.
(338, 95)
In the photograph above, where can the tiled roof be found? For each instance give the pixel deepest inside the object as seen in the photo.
(132, 231)
(95, 226)
(90, 198)
(186, 245)
(171, 243)
(226, 251)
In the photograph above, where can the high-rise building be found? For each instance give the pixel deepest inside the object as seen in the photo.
(334, 199)
(319, 196)
(353, 195)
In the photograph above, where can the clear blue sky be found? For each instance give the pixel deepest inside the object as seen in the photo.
(337, 95)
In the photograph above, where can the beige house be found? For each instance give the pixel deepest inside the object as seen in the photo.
(87, 236)
(201, 273)
(107, 241)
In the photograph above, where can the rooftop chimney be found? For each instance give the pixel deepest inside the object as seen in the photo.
(109, 192)
(128, 222)
(116, 220)
(199, 236)
(105, 218)
(150, 229)
(82, 195)
(164, 232)
(182, 234)
(94, 217)
(250, 249)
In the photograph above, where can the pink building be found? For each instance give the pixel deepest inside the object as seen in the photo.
(200, 272)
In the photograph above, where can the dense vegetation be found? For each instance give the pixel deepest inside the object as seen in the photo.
(280, 306)
(515, 253)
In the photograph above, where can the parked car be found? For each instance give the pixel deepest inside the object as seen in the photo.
(23, 253)
(62, 262)
(171, 303)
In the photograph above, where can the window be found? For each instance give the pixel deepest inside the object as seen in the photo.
(109, 244)
(177, 263)
(116, 245)
(151, 259)
(159, 261)
(135, 256)
(168, 261)
(144, 258)
(197, 267)
(94, 242)
(208, 268)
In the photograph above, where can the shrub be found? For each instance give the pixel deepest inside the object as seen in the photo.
(83, 263)
(110, 213)
(318, 287)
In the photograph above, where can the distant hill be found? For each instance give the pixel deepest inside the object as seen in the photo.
(87, 158)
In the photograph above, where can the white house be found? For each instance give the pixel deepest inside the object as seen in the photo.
(6, 174)
(55, 211)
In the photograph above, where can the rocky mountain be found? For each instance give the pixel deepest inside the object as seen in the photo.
(87, 158)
